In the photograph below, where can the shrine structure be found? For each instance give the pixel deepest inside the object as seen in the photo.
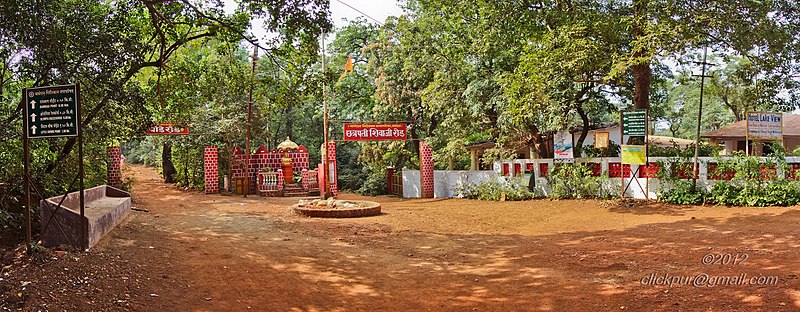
(283, 171)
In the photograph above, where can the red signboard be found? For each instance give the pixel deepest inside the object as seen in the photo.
(167, 129)
(374, 132)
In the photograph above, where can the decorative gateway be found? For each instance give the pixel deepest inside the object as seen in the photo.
(374, 132)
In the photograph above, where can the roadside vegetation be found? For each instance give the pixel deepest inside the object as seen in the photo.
(458, 72)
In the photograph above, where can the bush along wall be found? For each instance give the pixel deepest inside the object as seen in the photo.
(756, 181)
(575, 180)
(496, 189)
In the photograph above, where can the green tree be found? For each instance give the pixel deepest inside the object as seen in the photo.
(105, 46)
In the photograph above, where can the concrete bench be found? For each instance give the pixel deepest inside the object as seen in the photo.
(105, 207)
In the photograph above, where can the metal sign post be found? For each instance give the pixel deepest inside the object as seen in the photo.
(633, 123)
(27, 173)
(84, 222)
(51, 112)
(647, 155)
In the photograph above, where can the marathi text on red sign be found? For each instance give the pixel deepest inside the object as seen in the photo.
(374, 132)
(167, 129)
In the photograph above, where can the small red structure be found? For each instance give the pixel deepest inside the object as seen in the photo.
(114, 168)
(267, 171)
(286, 161)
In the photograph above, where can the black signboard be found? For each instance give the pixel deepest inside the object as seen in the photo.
(51, 111)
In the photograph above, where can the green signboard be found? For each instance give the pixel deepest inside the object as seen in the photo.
(634, 122)
(51, 111)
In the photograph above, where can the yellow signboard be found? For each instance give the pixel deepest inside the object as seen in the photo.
(634, 154)
(601, 140)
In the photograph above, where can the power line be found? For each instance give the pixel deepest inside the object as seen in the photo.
(359, 11)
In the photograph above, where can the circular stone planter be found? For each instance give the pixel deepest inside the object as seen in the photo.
(368, 208)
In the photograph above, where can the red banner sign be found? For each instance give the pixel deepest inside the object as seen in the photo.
(167, 129)
(374, 132)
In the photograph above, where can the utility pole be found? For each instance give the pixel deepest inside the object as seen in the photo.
(702, 76)
(325, 162)
(249, 117)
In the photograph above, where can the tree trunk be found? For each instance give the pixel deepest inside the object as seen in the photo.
(537, 141)
(412, 131)
(584, 130)
(167, 167)
(186, 168)
(642, 73)
(289, 123)
(579, 100)
(541, 148)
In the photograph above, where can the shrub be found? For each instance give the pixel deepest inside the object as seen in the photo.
(575, 181)
(686, 152)
(756, 182)
(589, 151)
(494, 189)
(724, 193)
(774, 193)
(672, 189)
(681, 193)
(375, 184)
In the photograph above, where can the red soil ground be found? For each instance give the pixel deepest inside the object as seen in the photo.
(195, 252)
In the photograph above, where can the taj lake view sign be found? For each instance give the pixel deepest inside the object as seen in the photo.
(51, 111)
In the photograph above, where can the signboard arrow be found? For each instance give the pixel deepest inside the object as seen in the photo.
(57, 106)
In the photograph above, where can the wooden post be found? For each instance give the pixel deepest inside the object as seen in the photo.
(696, 165)
(389, 178)
(473, 159)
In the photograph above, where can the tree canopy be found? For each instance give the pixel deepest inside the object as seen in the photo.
(458, 72)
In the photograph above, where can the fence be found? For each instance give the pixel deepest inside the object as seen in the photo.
(618, 173)
(270, 183)
(396, 187)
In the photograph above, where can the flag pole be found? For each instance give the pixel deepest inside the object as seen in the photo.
(325, 161)
(249, 117)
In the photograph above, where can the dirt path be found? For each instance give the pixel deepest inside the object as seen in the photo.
(195, 252)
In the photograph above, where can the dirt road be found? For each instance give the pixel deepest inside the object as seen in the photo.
(195, 252)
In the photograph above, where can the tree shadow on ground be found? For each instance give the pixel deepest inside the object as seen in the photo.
(283, 263)
(577, 271)
(646, 207)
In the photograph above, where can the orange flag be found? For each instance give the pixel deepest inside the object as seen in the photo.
(348, 67)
